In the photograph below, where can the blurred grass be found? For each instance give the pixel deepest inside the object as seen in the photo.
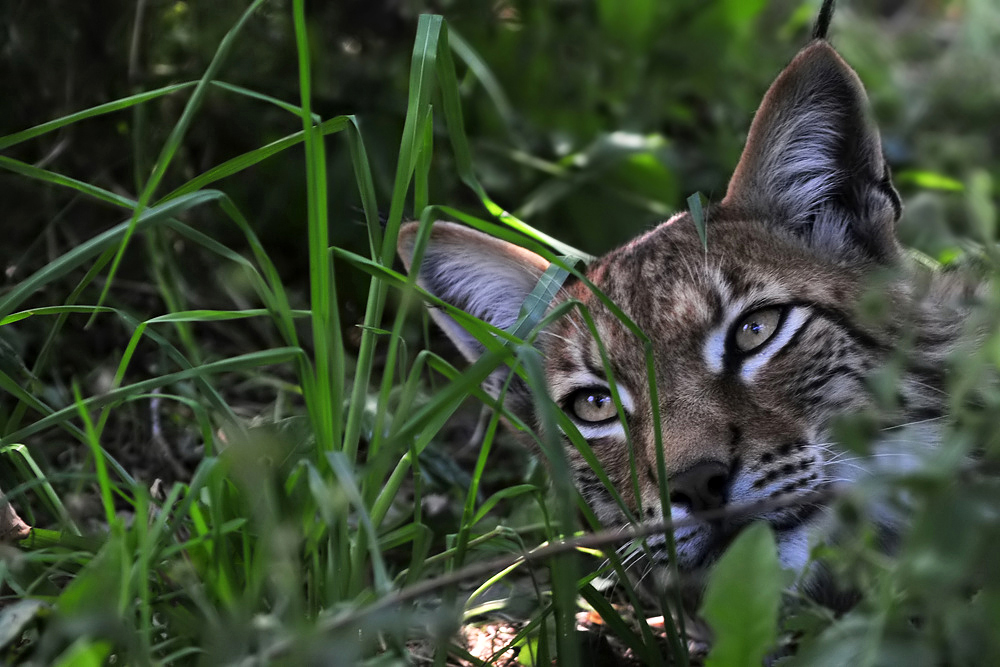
(317, 452)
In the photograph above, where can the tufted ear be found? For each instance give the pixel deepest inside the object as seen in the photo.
(482, 275)
(813, 162)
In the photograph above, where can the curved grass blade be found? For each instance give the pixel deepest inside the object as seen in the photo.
(250, 158)
(33, 172)
(247, 92)
(238, 363)
(451, 102)
(482, 72)
(109, 107)
(93, 247)
(173, 142)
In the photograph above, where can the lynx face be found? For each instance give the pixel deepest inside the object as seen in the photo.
(758, 343)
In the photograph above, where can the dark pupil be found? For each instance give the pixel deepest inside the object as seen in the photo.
(598, 400)
(754, 327)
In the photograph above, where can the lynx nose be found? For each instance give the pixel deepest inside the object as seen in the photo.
(701, 487)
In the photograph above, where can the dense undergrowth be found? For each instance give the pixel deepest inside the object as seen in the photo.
(239, 443)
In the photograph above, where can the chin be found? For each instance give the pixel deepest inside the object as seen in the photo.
(794, 546)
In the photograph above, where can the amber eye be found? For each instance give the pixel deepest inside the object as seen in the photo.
(592, 405)
(757, 328)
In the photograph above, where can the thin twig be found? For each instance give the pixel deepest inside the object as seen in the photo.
(590, 541)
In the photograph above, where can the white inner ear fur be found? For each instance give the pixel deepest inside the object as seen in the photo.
(488, 286)
(484, 276)
(812, 162)
(801, 161)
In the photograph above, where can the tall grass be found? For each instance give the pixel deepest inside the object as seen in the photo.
(304, 539)
(277, 548)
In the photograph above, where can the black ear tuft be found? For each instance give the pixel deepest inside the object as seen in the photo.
(823, 20)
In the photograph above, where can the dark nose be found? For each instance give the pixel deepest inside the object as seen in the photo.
(701, 487)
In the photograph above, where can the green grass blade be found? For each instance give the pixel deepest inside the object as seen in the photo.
(173, 142)
(253, 94)
(366, 186)
(94, 246)
(250, 158)
(482, 72)
(29, 469)
(418, 105)
(463, 155)
(324, 406)
(117, 105)
(35, 173)
(103, 479)
(697, 209)
(247, 361)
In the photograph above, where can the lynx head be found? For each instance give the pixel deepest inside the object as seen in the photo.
(757, 342)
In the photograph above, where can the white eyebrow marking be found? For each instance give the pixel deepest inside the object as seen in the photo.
(715, 347)
(715, 342)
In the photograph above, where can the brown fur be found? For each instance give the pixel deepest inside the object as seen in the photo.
(807, 228)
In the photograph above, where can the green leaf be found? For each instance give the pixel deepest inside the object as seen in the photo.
(697, 209)
(742, 599)
(928, 180)
(85, 652)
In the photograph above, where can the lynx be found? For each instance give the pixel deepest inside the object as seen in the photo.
(758, 335)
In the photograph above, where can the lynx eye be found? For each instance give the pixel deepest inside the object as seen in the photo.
(592, 405)
(757, 328)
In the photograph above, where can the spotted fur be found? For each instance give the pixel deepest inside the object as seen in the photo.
(804, 234)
